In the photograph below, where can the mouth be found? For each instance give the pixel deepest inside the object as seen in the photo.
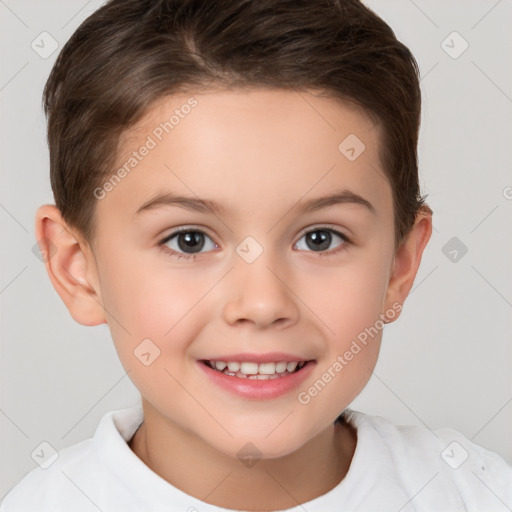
(257, 376)
(257, 371)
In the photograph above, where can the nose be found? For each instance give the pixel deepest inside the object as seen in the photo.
(259, 293)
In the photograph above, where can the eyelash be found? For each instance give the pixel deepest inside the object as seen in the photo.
(180, 255)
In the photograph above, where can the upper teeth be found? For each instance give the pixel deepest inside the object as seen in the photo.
(250, 368)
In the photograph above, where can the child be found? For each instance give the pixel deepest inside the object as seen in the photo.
(280, 137)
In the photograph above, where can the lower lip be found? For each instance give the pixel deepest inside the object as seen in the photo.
(259, 389)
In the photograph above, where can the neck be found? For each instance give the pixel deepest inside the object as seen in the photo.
(316, 468)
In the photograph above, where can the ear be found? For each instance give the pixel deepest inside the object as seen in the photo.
(407, 260)
(70, 265)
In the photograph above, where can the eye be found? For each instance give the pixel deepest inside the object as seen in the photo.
(185, 243)
(320, 239)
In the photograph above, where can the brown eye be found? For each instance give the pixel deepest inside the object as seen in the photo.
(321, 240)
(188, 241)
(192, 241)
(318, 240)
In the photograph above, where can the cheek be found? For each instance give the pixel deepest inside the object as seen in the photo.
(348, 303)
(143, 302)
(349, 297)
(152, 323)
(147, 295)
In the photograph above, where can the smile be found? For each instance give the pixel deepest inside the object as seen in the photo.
(256, 380)
(253, 370)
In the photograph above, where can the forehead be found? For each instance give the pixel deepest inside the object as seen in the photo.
(239, 146)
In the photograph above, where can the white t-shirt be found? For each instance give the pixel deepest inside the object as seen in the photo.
(394, 468)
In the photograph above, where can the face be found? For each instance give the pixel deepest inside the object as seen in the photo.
(264, 267)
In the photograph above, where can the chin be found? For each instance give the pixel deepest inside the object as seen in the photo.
(253, 445)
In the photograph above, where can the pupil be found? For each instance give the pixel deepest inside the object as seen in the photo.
(189, 240)
(318, 240)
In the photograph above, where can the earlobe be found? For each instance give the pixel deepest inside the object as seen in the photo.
(408, 258)
(70, 266)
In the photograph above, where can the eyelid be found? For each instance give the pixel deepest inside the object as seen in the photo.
(319, 227)
(305, 231)
(186, 229)
(347, 241)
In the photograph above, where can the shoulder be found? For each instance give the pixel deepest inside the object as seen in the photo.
(41, 488)
(81, 474)
(440, 462)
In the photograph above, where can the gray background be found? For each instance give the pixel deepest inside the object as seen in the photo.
(447, 362)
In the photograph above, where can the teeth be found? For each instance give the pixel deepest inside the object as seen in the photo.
(291, 366)
(233, 367)
(252, 370)
(281, 367)
(267, 369)
(249, 368)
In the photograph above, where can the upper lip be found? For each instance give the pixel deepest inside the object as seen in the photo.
(268, 357)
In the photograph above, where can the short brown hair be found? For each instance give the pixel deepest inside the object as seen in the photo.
(130, 53)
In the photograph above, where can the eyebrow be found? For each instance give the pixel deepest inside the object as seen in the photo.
(209, 206)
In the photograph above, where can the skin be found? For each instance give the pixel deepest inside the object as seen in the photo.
(260, 154)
